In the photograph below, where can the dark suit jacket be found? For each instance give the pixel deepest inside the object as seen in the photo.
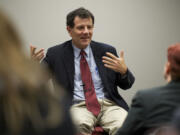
(151, 108)
(60, 60)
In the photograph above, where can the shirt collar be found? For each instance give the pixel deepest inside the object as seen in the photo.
(77, 51)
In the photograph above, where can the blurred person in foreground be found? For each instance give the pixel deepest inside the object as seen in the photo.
(154, 107)
(28, 106)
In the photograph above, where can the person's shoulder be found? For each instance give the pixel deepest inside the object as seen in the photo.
(161, 89)
(151, 92)
(102, 45)
(147, 98)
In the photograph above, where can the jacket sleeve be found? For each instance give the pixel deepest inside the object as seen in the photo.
(48, 60)
(124, 81)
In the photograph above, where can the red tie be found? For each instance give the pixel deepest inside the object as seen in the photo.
(92, 103)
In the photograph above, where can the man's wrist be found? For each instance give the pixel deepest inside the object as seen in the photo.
(123, 76)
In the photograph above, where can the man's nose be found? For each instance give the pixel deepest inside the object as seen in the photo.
(86, 30)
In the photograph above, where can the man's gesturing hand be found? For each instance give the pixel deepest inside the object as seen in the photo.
(36, 55)
(115, 63)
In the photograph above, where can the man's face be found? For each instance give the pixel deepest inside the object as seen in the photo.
(82, 32)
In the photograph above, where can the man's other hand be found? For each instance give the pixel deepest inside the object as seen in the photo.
(37, 56)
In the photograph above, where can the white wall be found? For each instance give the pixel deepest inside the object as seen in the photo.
(142, 28)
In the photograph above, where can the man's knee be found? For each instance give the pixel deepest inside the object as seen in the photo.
(85, 128)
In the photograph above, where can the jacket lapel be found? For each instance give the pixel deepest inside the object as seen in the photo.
(98, 53)
(68, 58)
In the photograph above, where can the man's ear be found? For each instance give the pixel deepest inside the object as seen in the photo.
(167, 70)
(69, 30)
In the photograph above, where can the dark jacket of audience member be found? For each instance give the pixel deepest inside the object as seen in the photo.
(176, 120)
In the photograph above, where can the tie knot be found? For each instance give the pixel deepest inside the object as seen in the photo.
(82, 53)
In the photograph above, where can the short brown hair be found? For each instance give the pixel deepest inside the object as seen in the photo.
(80, 12)
(174, 60)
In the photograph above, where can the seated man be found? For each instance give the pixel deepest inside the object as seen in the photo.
(154, 107)
(90, 71)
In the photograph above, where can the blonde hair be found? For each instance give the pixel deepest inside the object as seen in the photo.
(23, 85)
